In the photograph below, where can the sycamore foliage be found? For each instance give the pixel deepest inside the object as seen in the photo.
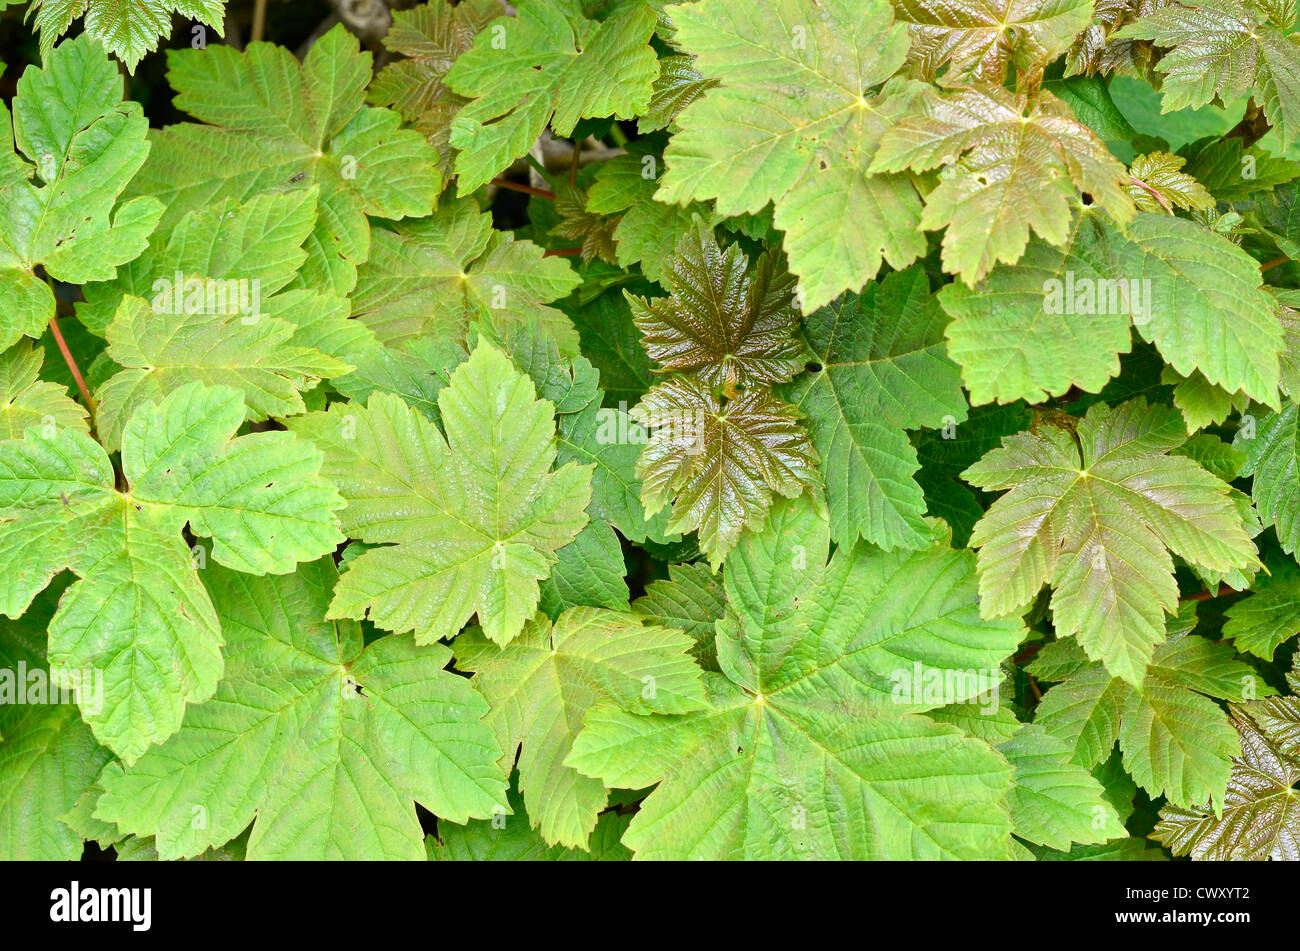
(628, 429)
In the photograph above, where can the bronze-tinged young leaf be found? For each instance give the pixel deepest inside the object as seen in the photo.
(1228, 49)
(1159, 184)
(577, 223)
(978, 38)
(1016, 163)
(1096, 50)
(720, 463)
(1260, 818)
(1096, 514)
(430, 37)
(726, 324)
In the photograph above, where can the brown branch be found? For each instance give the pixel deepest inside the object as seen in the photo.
(526, 189)
(1223, 592)
(72, 364)
(562, 252)
(259, 21)
(1276, 262)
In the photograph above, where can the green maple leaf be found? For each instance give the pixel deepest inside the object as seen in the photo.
(322, 738)
(256, 244)
(1174, 738)
(1273, 460)
(1016, 163)
(462, 524)
(648, 231)
(512, 838)
(690, 599)
(431, 37)
(1054, 801)
(1060, 317)
(1096, 515)
(127, 28)
(26, 400)
(1015, 341)
(1270, 615)
(977, 38)
(720, 464)
(548, 64)
(139, 613)
(1230, 50)
(436, 276)
(1160, 184)
(883, 369)
(542, 684)
(270, 123)
(771, 769)
(725, 324)
(1260, 816)
(796, 121)
(159, 352)
(81, 144)
(48, 758)
(1200, 401)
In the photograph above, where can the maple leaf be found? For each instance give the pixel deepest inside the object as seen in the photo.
(1174, 738)
(322, 738)
(1015, 164)
(1270, 615)
(724, 324)
(82, 144)
(548, 64)
(1259, 818)
(1015, 340)
(690, 599)
(1097, 50)
(1189, 291)
(139, 613)
(431, 37)
(1096, 515)
(437, 275)
(678, 85)
(127, 28)
(1054, 801)
(1273, 460)
(542, 684)
(1229, 50)
(48, 757)
(231, 258)
(647, 231)
(858, 773)
(883, 368)
(462, 524)
(158, 352)
(272, 124)
(796, 121)
(26, 400)
(720, 464)
(1159, 184)
(977, 38)
(512, 838)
